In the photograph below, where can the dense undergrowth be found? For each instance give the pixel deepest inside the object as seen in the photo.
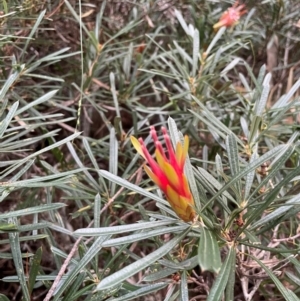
(79, 218)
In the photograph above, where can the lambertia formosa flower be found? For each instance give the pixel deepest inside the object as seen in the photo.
(167, 172)
(231, 16)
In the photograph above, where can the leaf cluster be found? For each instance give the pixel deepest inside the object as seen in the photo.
(81, 200)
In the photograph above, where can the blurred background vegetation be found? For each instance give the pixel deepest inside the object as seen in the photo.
(78, 78)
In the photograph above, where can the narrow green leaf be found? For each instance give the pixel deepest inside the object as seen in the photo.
(78, 19)
(91, 179)
(196, 47)
(171, 296)
(277, 212)
(212, 121)
(182, 22)
(127, 62)
(25, 238)
(17, 257)
(280, 114)
(35, 267)
(209, 252)
(229, 291)
(254, 130)
(286, 98)
(72, 291)
(139, 265)
(143, 235)
(124, 183)
(9, 256)
(126, 28)
(148, 289)
(8, 83)
(230, 66)
(113, 158)
(271, 197)
(114, 93)
(260, 78)
(6, 121)
(122, 228)
(58, 180)
(233, 156)
(219, 165)
(221, 281)
(40, 100)
(293, 277)
(183, 53)
(20, 173)
(215, 40)
(213, 186)
(4, 191)
(260, 105)
(32, 32)
(32, 210)
(286, 293)
(250, 236)
(280, 163)
(184, 265)
(159, 275)
(97, 209)
(290, 144)
(38, 278)
(51, 58)
(3, 298)
(52, 146)
(250, 176)
(82, 264)
(90, 153)
(267, 156)
(62, 254)
(84, 291)
(184, 292)
(5, 227)
(60, 229)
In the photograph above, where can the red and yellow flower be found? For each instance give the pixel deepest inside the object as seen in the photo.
(167, 172)
(231, 16)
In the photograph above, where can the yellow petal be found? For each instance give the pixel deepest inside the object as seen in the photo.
(160, 159)
(219, 25)
(186, 188)
(177, 203)
(136, 144)
(167, 169)
(152, 176)
(185, 146)
(173, 198)
(181, 205)
(179, 153)
(190, 213)
(171, 174)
